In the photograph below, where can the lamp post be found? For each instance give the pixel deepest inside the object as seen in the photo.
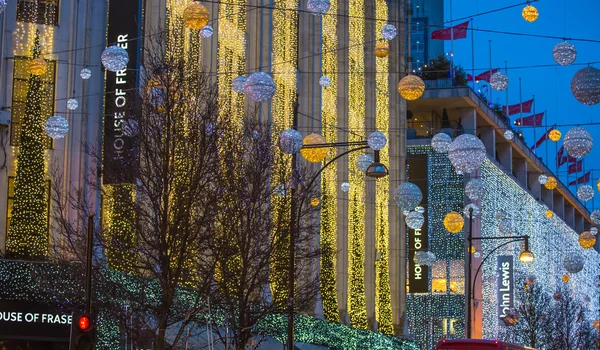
(526, 256)
(375, 170)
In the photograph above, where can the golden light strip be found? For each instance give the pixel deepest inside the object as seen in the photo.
(356, 211)
(383, 301)
(329, 175)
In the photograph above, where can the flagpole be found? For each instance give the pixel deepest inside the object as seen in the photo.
(506, 69)
(452, 43)
(521, 112)
(473, 53)
(490, 78)
(557, 161)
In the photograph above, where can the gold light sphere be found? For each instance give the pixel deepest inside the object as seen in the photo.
(554, 135)
(551, 183)
(587, 240)
(314, 202)
(195, 16)
(530, 13)
(598, 185)
(411, 87)
(454, 222)
(382, 49)
(314, 155)
(526, 256)
(549, 214)
(38, 66)
(566, 278)
(526, 286)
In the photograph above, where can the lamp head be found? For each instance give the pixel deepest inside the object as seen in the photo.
(526, 255)
(377, 170)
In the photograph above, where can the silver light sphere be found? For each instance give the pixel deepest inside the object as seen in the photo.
(114, 58)
(408, 196)
(420, 209)
(578, 142)
(324, 81)
(466, 153)
(363, 161)
(509, 135)
(318, 7)
(585, 193)
(441, 142)
(424, 258)
(414, 220)
(506, 227)
(345, 187)
(206, 31)
(85, 74)
(290, 141)
(564, 53)
(157, 96)
(573, 263)
(585, 86)
(57, 127)
(237, 84)
(542, 179)
(499, 81)
(595, 217)
(388, 32)
(72, 104)
(594, 230)
(475, 189)
(377, 140)
(259, 87)
(130, 127)
(467, 210)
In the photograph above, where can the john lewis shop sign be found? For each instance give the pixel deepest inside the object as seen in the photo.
(505, 286)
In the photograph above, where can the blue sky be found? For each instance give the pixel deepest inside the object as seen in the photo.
(550, 85)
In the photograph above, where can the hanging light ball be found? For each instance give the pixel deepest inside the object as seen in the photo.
(290, 141)
(596, 325)
(531, 279)
(314, 202)
(598, 185)
(467, 210)
(318, 7)
(564, 53)
(585, 193)
(554, 135)
(475, 189)
(324, 81)
(345, 187)
(237, 84)
(363, 161)
(578, 142)
(420, 209)
(85, 74)
(508, 135)
(549, 214)
(377, 140)
(414, 220)
(551, 183)
(587, 240)
(506, 227)
(206, 31)
(114, 58)
(157, 95)
(259, 87)
(424, 258)
(38, 66)
(408, 196)
(499, 81)
(566, 278)
(130, 127)
(454, 222)
(57, 127)
(441, 142)
(466, 153)
(594, 231)
(195, 16)
(557, 296)
(388, 32)
(542, 179)
(573, 263)
(72, 104)
(595, 217)
(411, 87)
(585, 86)
(314, 155)
(382, 49)
(530, 13)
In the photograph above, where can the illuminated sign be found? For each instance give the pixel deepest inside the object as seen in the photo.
(33, 321)
(505, 286)
(418, 275)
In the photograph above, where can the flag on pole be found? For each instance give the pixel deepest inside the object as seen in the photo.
(559, 156)
(567, 159)
(485, 76)
(542, 139)
(585, 178)
(514, 109)
(533, 120)
(459, 31)
(576, 167)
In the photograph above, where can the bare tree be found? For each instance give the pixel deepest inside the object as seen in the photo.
(570, 327)
(534, 325)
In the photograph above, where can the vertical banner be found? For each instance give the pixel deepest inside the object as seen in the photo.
(418, 275)
(119, 156)
(505, 287)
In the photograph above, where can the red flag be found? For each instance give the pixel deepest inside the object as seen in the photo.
(559, 156)
(542, 139)
(514, 109)
(459, 31)
(567, 159)
(585, 178)
(576, 167)
(533, 120)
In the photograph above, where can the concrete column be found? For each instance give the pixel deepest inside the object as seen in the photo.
(504, 151)
(559, 209)
(548, 198)
(579, 222)
(534, 186)
(519, 167)
(488, 137)
(468, 119)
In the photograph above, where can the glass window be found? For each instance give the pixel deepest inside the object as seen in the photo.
(20, 88)
(449, 325)
(439, 282)
(457, 277)
(38, 11)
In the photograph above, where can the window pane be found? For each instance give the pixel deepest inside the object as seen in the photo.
(40, 11)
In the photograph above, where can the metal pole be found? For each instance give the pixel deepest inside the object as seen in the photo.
(473, 54)
(292, 246)
(506, 114)
(452, 43)
(470, 262)
(490, 104)
(88, 267)
(521, 105)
